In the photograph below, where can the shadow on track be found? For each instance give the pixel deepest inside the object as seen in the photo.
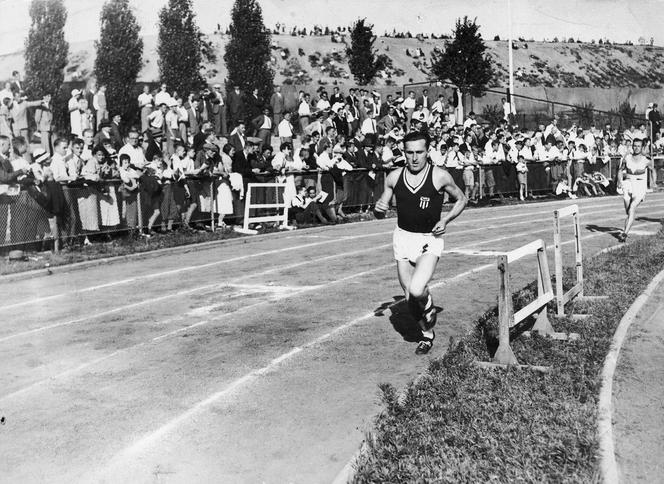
(613, 231)
(401, 319)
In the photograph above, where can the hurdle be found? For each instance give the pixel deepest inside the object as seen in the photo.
(279, 217)
(507, 318)
(576, 291)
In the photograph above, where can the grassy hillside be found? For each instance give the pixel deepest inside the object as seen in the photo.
(320, 60)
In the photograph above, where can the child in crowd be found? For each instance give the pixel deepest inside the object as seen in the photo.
(522, 176)
(168, 209)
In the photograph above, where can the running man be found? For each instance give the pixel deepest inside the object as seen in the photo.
(418, 238)
(633, 178)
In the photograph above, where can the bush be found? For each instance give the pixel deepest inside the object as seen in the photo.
(585, 114)
(492, 114)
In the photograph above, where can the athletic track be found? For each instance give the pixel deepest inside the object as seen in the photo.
(254, 360)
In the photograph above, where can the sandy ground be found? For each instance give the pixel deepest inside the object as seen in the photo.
(638, 397)
(256, 362)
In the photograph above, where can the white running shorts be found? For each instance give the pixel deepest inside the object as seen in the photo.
(634, 189)
(411, 245)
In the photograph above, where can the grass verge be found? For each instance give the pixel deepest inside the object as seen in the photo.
(459, 423)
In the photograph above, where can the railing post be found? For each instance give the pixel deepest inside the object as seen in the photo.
(212, 202)
(579, 256)
(504, 354)
(560, 304)
(139, 207)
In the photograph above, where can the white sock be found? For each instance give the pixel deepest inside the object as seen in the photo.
(428, 334)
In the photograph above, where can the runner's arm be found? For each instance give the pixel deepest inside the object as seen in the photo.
(443, 179)
(383, 203)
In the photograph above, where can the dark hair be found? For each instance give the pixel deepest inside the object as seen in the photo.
(417, 136)
(59, 141)
(97, 149)
(124, 156)
(77, 141)
(227, 148)
(283, 146)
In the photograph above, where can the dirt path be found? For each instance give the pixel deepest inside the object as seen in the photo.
(638, 396)
(257, 362)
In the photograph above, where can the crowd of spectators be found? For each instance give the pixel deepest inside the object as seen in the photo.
(188, 159)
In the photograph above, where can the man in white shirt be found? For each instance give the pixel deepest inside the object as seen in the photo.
(325, 161)
(162, 97)
(470, 121)
(285, 129)
(133, 150)
(304, 112)
(408, 106)
(368, 126)
(323, 103)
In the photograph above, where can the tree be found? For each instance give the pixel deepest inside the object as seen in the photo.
(119, 57)
(181, 48)
(464, 61)
(361, 56)
(247, 53)
(46, 49)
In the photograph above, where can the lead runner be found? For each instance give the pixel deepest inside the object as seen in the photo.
(421, 222)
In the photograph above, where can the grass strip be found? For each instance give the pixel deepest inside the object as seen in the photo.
(460, 423)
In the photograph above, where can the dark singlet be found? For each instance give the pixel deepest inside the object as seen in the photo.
(418, 208)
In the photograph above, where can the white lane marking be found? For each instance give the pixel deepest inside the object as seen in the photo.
(480, 253)
(258, 254)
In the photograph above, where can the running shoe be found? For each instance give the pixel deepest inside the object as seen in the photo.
(425, 345)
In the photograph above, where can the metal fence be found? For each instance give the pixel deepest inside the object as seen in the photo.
(94, 209)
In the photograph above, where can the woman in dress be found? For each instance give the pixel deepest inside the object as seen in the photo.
(224, 201)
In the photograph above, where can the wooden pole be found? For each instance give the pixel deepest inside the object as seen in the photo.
(558, 261)
(504, 354)
(579, 255)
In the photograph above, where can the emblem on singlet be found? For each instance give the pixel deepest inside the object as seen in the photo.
(424, 202)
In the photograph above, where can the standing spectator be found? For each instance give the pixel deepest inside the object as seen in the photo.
(285, 129)
(183, 120)
(218, 109)
(655, 119)
(336, 97)
(323, 103)
(16, 85)
(238, 139)
(304, 112)
(277, 104)
(193, 118)
(508, 111)
(408, 106)
(64, 172)
(522, 176)
(87, 117)
(133, 149)
(145, 101)
(8, 176)
(253, 108)
(6, 93)
(263, 127)
(235, 106)
(5, 117)
(157, 121)
(89, 94)
(19, 114)
(162, 97)
(75, 113)
(44, 122)
(425, 100)
(99, 104)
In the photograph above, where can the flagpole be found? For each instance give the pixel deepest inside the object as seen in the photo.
(509, 55)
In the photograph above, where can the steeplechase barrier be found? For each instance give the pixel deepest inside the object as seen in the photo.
(280, 204)
(576, 291)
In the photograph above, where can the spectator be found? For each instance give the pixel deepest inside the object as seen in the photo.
(263, 127)
(116, 131)
(100, 106)
(235, 107)
(162, 97)
(238, 138)
(19, 114)
(133, 149)
(285, 129)
(522, 176)
(145, 102)
(75, 113)
(304, 112)
(218, 111)
(44, 122)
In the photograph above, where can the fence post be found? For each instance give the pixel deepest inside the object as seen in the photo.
(212, 203)
(560, 304)
(139, 207)
(504, 354)
(579, 257)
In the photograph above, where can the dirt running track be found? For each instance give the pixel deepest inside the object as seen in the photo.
(243, 362)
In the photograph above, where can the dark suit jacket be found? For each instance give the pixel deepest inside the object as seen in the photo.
(386, 124)
(235, 104)
(427, 104)
(242, 165)
(336, 98)
(277, 103)
(236, 143)
(194, 118)
(116, 136)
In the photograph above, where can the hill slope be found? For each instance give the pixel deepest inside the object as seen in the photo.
(322, 60)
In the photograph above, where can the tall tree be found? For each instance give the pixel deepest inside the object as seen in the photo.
(247, 53)
(46, 49)
(119, 57)
(181, 47)
(361, 56)
(464, 61)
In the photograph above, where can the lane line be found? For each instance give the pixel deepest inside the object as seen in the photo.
(155, 435)
(269, 252)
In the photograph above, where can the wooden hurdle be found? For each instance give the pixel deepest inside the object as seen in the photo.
(576, 291)
(280, 217)
(507, 318)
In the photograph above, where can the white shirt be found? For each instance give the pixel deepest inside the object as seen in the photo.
(408, 103)
(136, 155)
(453, 159)
(548, 155)
(304, 109)
(279, 161)
(468, 123)
(185, 165)
(59, 168)
(368, 126)
(145, 99)
(162, 97)
(323, 104)
(156, 119)
(324, 161)
(493, 157)
(285, 129)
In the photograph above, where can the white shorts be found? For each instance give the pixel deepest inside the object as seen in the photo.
(411, 245)
(634, 189)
